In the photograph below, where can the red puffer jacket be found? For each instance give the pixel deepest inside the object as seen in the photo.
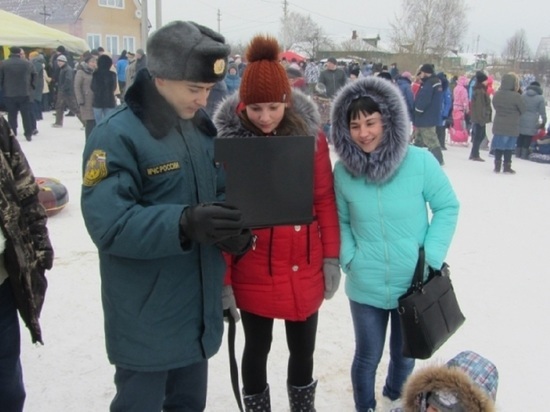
(282, 275)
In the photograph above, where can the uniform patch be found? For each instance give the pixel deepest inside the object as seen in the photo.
(219, 66)
(96, 168)
(164, 168)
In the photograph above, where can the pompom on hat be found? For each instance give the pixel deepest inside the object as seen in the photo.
(264, 79)
(184, 50)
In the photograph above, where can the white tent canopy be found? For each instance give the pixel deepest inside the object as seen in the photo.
(18, 31)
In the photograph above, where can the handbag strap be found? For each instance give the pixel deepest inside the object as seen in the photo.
(418, 278)
(233, 368)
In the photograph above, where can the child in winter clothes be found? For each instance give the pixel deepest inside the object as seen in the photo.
(467, 383)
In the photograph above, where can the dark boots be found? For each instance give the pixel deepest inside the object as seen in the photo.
(302, 399)
(259, 402)
(498, 160)
(508, 162)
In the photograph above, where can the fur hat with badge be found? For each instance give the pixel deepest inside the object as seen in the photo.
(264, 79)
(184, 50)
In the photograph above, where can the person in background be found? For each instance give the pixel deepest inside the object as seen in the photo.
(332, 77)
(481, 114)
(427, 112)
(290, 269)
(39, 63)
(152, 201)
(296, 79)
(141, 60)
(384, 187)
(130, 70)
(532, 119)
(311, 73)
(394, 71)
(509, 106)
(104, 86)
(121, 65)
(404, 83)
(65, 92)
(25, 254)
(232, 79)
(466, 383)
(446, 106)
(17, 80)
(83, 92)
(217, 94)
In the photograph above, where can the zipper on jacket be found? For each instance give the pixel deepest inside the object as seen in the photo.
(386, 255)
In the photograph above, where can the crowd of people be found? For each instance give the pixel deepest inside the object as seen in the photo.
(174, 257)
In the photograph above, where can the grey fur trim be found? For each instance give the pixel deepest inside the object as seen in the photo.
(380, 165)
(229, 124)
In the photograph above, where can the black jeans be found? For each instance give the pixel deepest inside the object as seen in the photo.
(478, 134)
(20, 104)
(300, 338)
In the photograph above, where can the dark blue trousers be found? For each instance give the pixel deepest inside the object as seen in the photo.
(12, 391)
(175, 390)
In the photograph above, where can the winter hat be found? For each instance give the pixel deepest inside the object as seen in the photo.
(61, 49)
(62, 58)
(355, 71)
(427, 68)
(15, 50)
(406, 75)
(184, 50)
(480, 77)
(332, 60)
(264, 79)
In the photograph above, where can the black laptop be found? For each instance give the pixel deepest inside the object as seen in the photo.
(269, 178)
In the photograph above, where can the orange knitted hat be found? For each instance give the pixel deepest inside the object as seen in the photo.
(264, 79)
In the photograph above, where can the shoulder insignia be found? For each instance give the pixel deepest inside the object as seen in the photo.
(96, 168)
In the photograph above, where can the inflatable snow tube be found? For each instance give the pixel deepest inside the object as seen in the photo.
(53, 195)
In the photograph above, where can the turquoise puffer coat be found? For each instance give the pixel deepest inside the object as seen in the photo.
(383, 198)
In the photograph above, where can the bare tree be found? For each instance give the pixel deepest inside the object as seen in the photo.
(517, 48)
(303, 35)
(429, 26)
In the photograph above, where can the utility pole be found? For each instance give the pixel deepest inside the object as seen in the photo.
(44, 13)
(158, 14)
(219, 21)
(285, 17)
(144, 24)
(477, 44)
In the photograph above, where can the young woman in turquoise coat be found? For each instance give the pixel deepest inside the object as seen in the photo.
(384, 191)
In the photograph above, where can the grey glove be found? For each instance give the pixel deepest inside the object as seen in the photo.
(229, 304)
(331, 270)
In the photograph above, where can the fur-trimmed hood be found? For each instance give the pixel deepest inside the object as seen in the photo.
(470, 377)
(229, 123)
(155, 112)
(380, 165)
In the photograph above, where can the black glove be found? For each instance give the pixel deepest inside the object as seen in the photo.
(237, 245)
(210, 223)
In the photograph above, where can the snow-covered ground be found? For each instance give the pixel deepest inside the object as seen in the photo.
(498, 261)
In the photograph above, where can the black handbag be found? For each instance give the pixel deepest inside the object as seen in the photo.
(429, 313)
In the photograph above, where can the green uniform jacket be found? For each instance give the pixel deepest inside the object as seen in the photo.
(142, 167)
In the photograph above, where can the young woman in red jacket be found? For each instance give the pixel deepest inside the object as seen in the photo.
(290, 269)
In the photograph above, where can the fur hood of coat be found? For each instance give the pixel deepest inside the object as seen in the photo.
(470, 377)
(229, 124)
(380, 165)
(155, 112)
